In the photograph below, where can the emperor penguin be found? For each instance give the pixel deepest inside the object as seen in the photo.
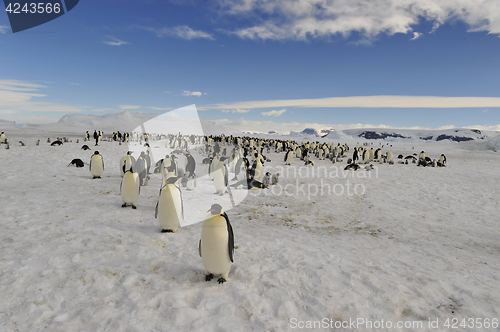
(216, 246)
(96, 165)
(422, 155)
(220, 176)
(126, 163)
(240, 170)
(266, 181)
(275, 179)
(442, 161)
(390, 156)
(288, 157)
(190, 165)
(142, 170)
(130, 188)
(170, 209)
(191, 183)
(372, 154)
(257, 170)
(213, 166)
(3, 139)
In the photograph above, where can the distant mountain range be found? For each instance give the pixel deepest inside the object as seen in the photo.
(126, 121)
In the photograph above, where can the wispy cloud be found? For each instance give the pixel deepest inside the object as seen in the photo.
(416, 35)
(129, 107)
(113, 41)
(5, 112)
(274, 113)
(305, 19)
(235, 111)
(183, 32)
(367, 102)
(3, 29)
(21, 96)
(192, 93)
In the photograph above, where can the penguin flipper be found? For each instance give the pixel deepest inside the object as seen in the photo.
(156, 209)
(226, 176)
(199, 248)
(230, 241)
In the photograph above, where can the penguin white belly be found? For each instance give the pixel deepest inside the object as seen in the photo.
(389, 156)
(97, 166)
(191, 184)
(169, 208)
(219, 181)
(214, 247)
(130, 189)
(242, 175)
(258, 171)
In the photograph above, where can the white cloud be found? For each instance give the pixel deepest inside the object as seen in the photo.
(183, 32)
(5, 111)
(75, 83)
(416, 35)
(192, 93)
(3, 29)
(367, 102)
(274, 113)
(129, 107)
(305, 19)
(114, 41)
(20, 96)
(236, 111)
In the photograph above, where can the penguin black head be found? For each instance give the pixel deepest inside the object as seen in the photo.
(215, 210)
(172, 180)
(97, 152)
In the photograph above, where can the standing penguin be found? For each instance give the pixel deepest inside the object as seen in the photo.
(288, 157)
(130, 189)
(3, 139)
(217, 244)
(142, 169)
(191, 183)
(390, 156)
(266, 181)
(96, 165)
(126, 163)
(169, 209)
(442, 161)
(221, 177)
(275, 179)
(190, 165)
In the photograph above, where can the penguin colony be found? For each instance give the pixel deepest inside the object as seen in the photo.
(231, 162)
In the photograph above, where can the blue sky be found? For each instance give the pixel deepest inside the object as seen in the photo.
(244, 59)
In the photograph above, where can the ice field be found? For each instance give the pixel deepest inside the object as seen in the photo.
(411, 245)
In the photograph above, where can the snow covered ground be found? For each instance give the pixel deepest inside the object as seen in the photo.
(417, 244)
